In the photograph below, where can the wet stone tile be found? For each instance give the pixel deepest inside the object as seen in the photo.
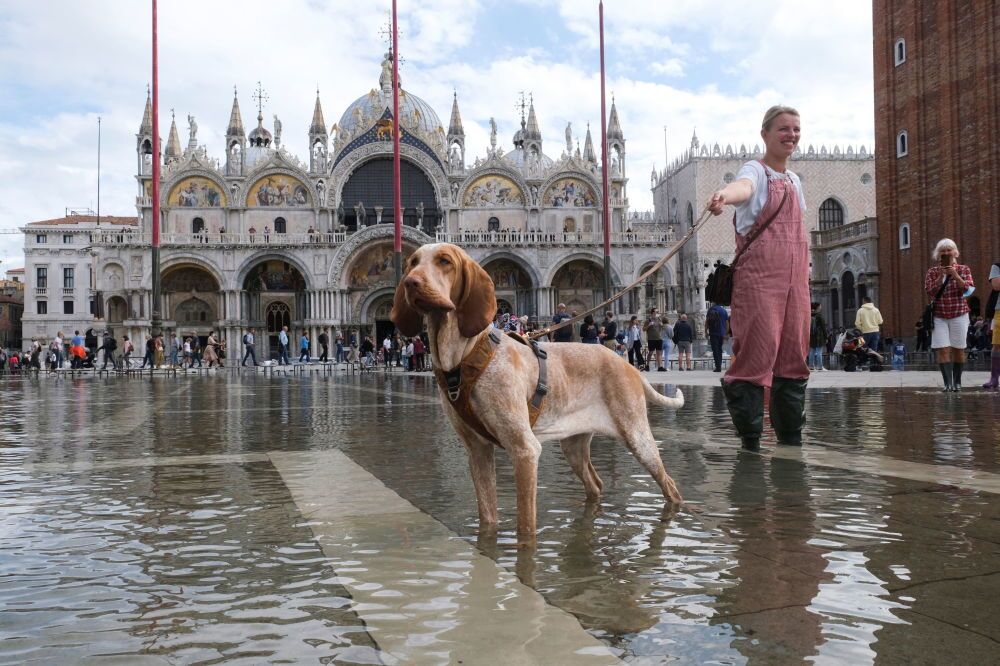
(774, 560)
(186, 563)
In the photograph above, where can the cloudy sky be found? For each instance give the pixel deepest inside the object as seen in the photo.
(680, 64)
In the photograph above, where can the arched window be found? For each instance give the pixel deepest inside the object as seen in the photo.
(493, 224)
(690, 216)
(902, 144)
(197, 225)
(280, 227)
(899, 51)
(831, 214)
(904, 236)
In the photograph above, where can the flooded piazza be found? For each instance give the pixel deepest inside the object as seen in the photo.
(331, 519)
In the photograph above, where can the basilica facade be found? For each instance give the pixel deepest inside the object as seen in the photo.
(262, 239)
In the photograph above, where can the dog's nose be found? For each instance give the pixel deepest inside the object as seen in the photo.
(411, 282)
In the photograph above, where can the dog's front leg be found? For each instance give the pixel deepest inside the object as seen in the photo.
(524, 455)
(484, 479)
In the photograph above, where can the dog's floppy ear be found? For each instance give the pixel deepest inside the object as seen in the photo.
(477, 304)
(406, 319)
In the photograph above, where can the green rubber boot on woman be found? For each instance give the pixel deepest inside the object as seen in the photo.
(746, 407)
(788, 409)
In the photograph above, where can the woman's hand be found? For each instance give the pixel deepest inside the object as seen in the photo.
(716, 203)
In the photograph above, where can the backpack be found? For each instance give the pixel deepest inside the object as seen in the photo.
(245, 337)
(112, 344)
(712, 319)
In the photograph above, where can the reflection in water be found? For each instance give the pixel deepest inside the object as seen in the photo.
(777, 570)
(201, 564)
(772, 562)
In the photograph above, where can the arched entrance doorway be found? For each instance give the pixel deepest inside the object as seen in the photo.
(190, 300)
(370, 186)
(277, 315)
(378, 314)
(848, 294)
(513, 287)
(579, 284)
(274, 293)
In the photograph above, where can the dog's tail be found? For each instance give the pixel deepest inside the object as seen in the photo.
(652, 395)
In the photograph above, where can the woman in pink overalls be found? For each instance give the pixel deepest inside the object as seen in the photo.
(771, 304)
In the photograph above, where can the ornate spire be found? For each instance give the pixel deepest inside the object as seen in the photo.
(694, 139)
(588, 148)
(235, 118)
(614, 128)
(173, 150)
(146, 127)
(318, 125)
(532, 131)
(455, 126)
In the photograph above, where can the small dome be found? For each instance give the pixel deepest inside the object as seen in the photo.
(520, 158)
(365, 110)
(260, 136)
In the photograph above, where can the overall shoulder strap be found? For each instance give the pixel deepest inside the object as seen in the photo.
(755, 233)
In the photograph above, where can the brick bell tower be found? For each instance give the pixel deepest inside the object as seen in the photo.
(937, 137)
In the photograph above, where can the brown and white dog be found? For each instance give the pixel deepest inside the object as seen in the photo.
(591, 389)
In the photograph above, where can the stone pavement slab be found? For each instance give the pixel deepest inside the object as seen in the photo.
(426, 596)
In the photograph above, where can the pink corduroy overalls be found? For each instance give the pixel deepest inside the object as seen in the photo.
(770, 308)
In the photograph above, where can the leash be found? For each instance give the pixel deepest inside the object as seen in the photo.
(705, 216)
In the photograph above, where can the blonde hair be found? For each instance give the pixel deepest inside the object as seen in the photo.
(944, 244)
(773, 113)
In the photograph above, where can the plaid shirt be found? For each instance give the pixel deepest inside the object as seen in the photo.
(951, 304)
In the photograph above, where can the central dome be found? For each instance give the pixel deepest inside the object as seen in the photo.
(414, 112)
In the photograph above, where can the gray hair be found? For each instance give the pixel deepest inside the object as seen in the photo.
(943, 244)
(773, 113)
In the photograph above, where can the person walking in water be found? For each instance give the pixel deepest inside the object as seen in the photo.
(770, 302)
(283, 346)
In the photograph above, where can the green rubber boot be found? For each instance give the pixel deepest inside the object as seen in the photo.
(788, 409)
(746, 407)
(948, 376)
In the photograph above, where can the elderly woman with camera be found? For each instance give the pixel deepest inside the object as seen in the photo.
(948, 284)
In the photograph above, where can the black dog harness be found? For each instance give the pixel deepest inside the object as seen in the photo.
(459, 382)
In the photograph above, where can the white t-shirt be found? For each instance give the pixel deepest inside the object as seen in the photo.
(757, 174)
(994, 272)
(387, 344)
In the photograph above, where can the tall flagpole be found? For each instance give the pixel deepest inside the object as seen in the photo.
(98, 171)
(156, 322)
(397, 214)
(606, 210)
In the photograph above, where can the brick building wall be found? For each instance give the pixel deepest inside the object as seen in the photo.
(11, 310)
(943, 89)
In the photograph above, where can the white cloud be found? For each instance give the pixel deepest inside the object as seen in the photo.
(725, 64)
(671, 67)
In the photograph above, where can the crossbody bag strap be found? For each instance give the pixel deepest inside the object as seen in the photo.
(939, 292)
(756, 234)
